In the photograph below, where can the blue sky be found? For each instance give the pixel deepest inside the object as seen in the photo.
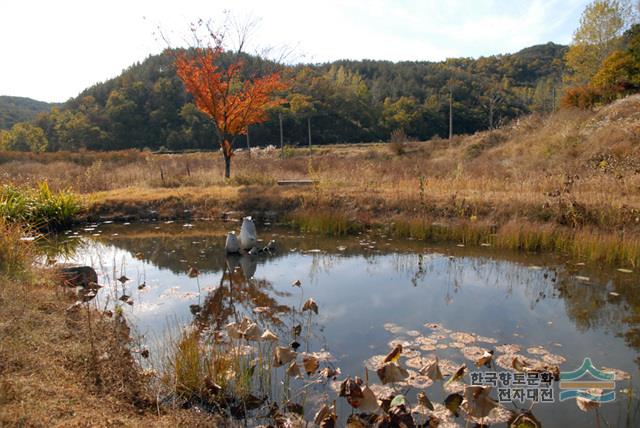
(51, 50)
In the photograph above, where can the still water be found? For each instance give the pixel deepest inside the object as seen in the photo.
(373, 292)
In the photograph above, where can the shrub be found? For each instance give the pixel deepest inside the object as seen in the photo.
(398, 142)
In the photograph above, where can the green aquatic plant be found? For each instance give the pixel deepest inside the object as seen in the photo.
(39, 207)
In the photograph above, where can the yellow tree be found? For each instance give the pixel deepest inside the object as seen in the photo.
(601, 25)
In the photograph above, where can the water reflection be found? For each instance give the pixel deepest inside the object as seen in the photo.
(512, 298)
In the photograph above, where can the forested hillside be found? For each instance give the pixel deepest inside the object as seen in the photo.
(19, 109)
(344, 101)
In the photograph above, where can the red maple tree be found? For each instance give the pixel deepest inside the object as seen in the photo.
(220, 92)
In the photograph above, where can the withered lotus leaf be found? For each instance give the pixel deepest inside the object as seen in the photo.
(283, 355)
(310, 305)
(392, 372)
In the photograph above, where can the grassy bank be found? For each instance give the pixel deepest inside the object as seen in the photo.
(63, 364)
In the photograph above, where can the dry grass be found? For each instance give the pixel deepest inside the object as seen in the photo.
(574, 169)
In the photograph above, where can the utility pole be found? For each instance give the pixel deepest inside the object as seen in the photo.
(248, 144)
(309, 128)
(281, 135)
(450, 113)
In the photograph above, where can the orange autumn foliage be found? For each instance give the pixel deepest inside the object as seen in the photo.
(220, 93)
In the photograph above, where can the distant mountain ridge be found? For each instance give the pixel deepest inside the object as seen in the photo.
(20, 109)
(350, 101)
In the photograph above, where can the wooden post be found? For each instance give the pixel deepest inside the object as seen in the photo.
(281, 135)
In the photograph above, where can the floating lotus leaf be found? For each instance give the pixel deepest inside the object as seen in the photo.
(463, 337)
(419, 381)
(619, 374)
(486, 339)
(553, 359)
(537, 350)
(374, 362)
(473, 352)
(416, 362)
(422, 340)
(508, 349)
(393, 328)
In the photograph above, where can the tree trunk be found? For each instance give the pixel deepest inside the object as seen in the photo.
(227, 166)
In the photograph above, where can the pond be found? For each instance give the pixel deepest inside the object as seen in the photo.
(374, 292)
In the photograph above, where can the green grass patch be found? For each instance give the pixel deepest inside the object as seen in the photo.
(39, 208)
